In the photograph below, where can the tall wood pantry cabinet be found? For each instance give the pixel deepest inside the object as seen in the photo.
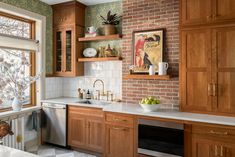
(68, 26)
(207, 74)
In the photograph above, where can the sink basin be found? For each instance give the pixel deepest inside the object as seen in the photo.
(92, 102)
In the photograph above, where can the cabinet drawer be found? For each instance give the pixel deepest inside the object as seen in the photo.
(86, 111)
(213, 130)
(119, 119)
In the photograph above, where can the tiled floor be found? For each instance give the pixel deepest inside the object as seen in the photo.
(50, 151)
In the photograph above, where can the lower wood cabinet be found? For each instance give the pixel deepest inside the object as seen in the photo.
(119, 136)
(85, 128)
(209, 141)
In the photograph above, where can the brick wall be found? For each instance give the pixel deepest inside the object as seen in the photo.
(144, 15)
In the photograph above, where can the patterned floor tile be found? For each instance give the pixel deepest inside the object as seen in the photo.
(51, 151)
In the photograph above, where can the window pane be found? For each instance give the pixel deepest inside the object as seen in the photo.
(14, 27)
(17, 72)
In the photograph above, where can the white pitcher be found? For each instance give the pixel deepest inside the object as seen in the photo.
(162, 68)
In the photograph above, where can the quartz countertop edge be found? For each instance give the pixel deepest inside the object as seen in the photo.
(135, 109)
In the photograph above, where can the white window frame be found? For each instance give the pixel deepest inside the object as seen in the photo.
(40, 24)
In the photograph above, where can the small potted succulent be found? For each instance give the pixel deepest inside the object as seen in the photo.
(110, 22)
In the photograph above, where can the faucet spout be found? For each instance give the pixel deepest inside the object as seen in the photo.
(102, 82)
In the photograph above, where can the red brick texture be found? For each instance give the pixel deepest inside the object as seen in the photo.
(145, 15)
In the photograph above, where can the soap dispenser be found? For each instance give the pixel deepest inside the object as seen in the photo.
(88, 94)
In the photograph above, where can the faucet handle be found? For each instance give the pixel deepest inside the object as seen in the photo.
(98, 97)
(108, 94)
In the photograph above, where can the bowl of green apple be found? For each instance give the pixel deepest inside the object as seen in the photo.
(150, 104)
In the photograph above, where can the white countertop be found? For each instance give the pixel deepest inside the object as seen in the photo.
(135, 109)
(10, 152)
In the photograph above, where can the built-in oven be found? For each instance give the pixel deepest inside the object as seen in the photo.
(160, 139)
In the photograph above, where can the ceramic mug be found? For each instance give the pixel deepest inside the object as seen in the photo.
(91, 29)
(162, 68)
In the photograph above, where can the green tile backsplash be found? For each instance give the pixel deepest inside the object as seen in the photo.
(39, 7)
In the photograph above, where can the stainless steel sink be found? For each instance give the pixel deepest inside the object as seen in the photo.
(92, 102)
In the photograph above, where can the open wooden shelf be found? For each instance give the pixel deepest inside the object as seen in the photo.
(99, 59)
(147, 77)
(97, 38)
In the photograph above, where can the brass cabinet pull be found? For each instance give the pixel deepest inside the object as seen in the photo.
(117, 128)
(216, 150)
(210, 89)
(117, 119)
(209, 17)
(221, 151)
(214, 89)
(218, 133)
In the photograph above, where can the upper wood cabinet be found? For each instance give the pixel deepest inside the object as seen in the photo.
(195, 12)
(85, 128)
(68, 25)
(196, 70)
(69, 13)
(208, 70)
(198, 12)
(224, 69)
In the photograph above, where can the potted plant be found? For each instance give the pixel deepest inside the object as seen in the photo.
(110, 22)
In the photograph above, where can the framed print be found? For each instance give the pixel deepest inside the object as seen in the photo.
(147, 49)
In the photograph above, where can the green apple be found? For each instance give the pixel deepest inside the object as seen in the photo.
(150, 100)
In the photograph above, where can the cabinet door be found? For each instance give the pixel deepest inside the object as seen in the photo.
(76, 130)
(202, 147)
(119, 141)
(224, 10)
(69, 50)
(95, 134)
(58, 50)
(194, 12)
(224, 69)
(228, 150)
(196, 70)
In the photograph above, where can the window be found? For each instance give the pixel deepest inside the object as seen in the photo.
(20, 30)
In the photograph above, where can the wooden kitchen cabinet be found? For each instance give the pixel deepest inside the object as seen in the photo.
(68, 25)
(203, 12)
(208, 70)
(119, 136)
(76, 130)
(213, 141)
(224, 69)
(85, 128)
(95, 134)
(196, 70)
(194, 12)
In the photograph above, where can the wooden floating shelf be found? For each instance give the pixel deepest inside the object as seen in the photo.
(99, 59)
(147, 77)
(97, 38)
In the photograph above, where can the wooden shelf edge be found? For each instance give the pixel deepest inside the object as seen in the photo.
(99, 59)
(147, 77)
(97, 38)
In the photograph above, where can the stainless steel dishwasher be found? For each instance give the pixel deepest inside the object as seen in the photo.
(54, 124)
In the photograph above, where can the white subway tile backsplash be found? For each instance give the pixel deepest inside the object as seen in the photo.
(110, 72)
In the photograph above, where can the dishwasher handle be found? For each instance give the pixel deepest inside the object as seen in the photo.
(54, 106)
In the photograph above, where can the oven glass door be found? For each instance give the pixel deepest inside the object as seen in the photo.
(161, 140)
